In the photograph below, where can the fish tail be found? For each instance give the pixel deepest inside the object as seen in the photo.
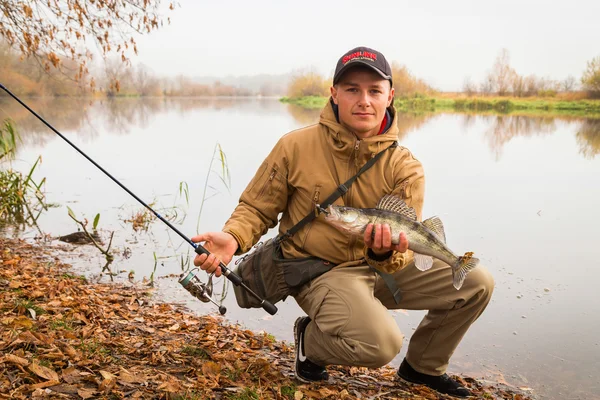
(462, 267)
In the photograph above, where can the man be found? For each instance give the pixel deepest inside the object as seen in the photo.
(348, 322)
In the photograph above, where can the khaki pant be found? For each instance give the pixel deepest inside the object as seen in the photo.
(351, 324)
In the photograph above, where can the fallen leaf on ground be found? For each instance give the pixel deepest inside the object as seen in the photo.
(43, 372)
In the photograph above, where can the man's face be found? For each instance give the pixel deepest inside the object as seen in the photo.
(362, 97)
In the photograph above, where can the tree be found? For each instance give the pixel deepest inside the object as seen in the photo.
(502, 73)
(117, 78)
(487, 86)
(308, 83)
(146, 84)
(531, 85)
(518, 84)
(568, 84)
(591, 77)
(406, 84)
(469, 88)
(54, 30)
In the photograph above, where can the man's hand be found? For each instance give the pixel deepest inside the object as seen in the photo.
(222, 247)
(381, 242)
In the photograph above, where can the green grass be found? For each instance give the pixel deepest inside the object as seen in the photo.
(26, 304)
(509, 105)
(63, 324)
(81, 278)
(246, 394)
(195, 351)
(190, 396)
(21, 198)
(496, 105)
(288, 391)
(93, 347)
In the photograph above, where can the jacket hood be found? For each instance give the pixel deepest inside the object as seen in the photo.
(345, 141)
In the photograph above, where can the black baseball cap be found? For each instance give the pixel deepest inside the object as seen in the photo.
(363, 56)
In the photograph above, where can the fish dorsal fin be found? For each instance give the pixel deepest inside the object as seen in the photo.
(390, 202)
(434, 224)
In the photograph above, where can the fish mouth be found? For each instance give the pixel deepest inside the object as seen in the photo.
(330, 212)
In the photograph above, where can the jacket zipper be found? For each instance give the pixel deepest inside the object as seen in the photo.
(356, 150)
(315, 199)
(268, 182)
(317, 195)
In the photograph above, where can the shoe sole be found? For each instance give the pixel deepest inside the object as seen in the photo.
(298, 377)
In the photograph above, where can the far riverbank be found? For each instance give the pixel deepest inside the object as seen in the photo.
(545, 106)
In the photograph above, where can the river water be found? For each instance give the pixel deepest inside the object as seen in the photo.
(520, 191)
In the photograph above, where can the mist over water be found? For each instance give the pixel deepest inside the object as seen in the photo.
(519, 191)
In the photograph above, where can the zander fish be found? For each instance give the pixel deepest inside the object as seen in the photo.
(426, 239)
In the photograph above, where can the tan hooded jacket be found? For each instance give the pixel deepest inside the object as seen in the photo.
(304, 168)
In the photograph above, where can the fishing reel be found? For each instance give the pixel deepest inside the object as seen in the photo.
(198, 289)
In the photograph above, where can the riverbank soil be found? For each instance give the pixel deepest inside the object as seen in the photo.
(62, 337)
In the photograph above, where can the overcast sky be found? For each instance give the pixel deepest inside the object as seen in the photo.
(440, 41)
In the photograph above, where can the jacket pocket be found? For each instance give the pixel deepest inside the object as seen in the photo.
(266, 184)
(315, 200)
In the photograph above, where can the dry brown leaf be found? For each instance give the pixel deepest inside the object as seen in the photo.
(20, 322)
(45, 339)
(170, 386)
(86, 393)
(174, 327)
(44, 372)
(107, 375)
(128, 377)
(37, 294)
(71, 375)
(43, 385)
(28, 337)
(106, 385)
(86, 332)
(65, 388)
(16, 360)
(324, 392)
(71, 352)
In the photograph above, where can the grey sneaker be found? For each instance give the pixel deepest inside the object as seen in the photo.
(305, 370)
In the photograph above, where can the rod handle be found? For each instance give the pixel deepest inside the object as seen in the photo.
(269, 307)
(237, 281)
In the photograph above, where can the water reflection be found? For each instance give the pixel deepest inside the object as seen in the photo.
(120, 115)
(83, 115)
(588, 138)
(303, 116)
(410, 122)
(502, 128)
(62, 113)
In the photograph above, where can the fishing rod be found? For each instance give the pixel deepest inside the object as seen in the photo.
(190, 282)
